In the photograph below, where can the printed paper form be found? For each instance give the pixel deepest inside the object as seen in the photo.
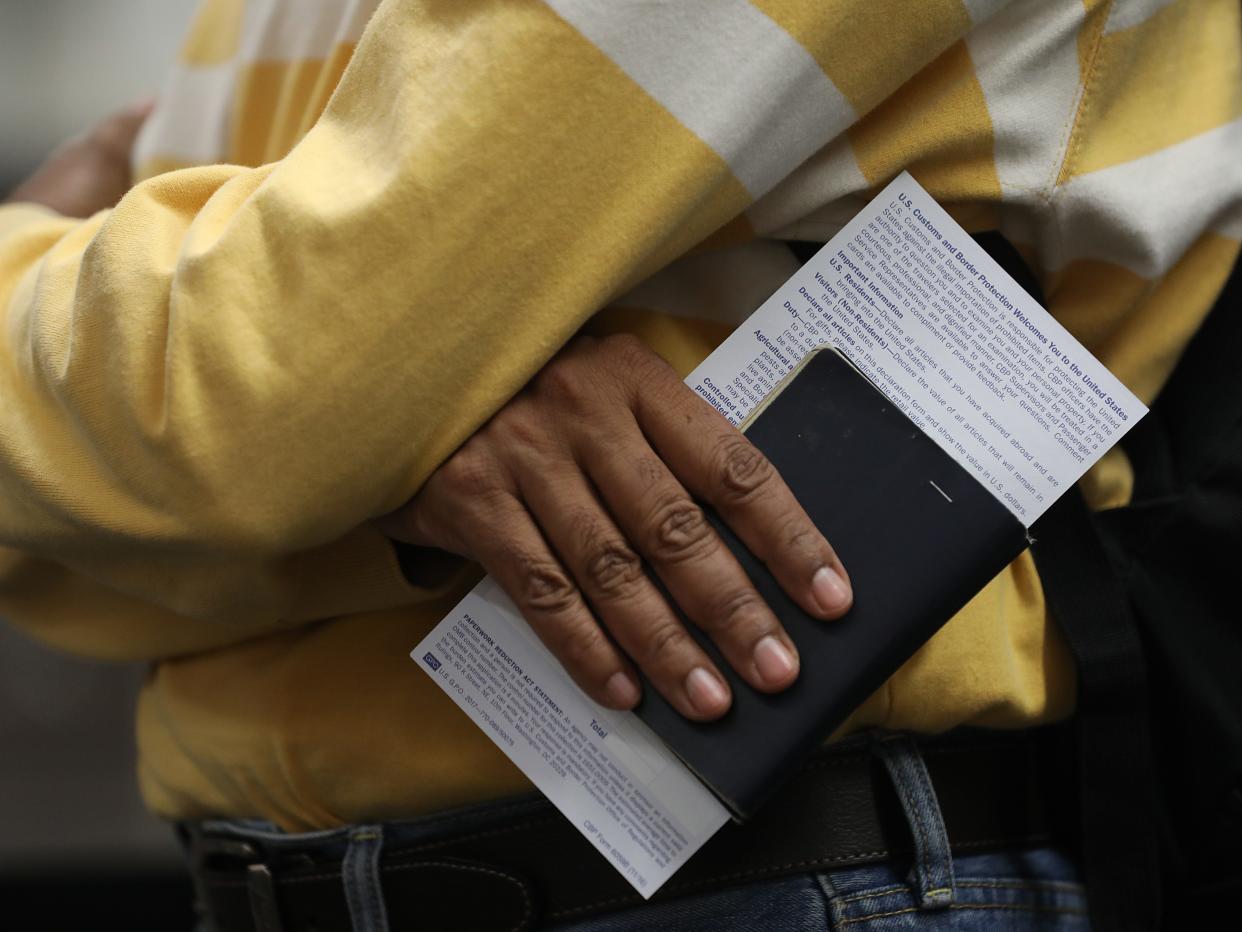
(604, 770)
(949, 337)
(953, 341)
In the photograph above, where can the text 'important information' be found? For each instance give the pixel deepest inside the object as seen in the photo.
(949, 337)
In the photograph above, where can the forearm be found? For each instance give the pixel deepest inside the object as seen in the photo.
(242, 363)
(236, 365)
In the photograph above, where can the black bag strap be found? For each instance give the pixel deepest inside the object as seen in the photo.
(1117, 788)
(1167, 586)
(1120, 847)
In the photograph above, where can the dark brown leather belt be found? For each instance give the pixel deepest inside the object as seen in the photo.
(524, 864)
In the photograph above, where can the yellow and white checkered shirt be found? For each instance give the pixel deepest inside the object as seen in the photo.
(361, 226)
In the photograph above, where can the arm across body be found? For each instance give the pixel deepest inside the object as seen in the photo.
(235, 365)
(587, 475)
(537, 464)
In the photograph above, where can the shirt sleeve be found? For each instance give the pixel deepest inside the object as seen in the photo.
(238, 364)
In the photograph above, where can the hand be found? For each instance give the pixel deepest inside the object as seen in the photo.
(586, 475)
(89, 173)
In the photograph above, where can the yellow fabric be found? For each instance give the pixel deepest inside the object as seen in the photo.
(1175, 62)
(210, 389)
(279, 102)
(936, 126)
(215, 34)
(858, 47)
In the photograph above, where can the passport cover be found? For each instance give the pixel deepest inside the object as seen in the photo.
(918, 535)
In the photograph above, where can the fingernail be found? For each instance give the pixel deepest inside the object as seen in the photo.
(830, 591)
(621, 690)
(775, 663)
(706, 693)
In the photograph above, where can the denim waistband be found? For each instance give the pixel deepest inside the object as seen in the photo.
(359, 849)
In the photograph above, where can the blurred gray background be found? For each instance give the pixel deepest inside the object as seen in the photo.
(68, 799)
(66, 63)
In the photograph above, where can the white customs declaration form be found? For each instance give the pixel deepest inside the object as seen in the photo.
(954, 342)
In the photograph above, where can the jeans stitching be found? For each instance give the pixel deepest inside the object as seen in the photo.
(928, 855)
(1024, 907)
(874, 894)
(724, 878)
(360, 874)
(1064, 885)
(369, 868)
(1033, 886)
(913, 781)
(352, 903)
(923, 852)
(907, 792)
(373, 890)
(1033, 908)
(927, 812)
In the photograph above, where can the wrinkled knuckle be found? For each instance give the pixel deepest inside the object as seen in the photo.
(625, 346)
(609, 567)
(680, 531)
(732, 610)
(467, 474)
(741, 469)
(575, 390)
(517, 427)
(802, 538)
(638, 361)
(666, 644)
(560, 379)
(546, 589)
(614, 570)
(650, 470)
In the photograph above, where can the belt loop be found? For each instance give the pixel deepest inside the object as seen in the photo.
(264, 909)
(360, 872)
(932, 876)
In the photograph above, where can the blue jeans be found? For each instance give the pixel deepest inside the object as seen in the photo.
(1002, 891)
(1007, 889)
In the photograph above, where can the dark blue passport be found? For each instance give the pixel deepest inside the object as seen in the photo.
(918, 534)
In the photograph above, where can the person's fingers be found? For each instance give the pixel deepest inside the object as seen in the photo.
(623, 598)
(720, 466)
(498, 532)
(596, 462)
(700, 573)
